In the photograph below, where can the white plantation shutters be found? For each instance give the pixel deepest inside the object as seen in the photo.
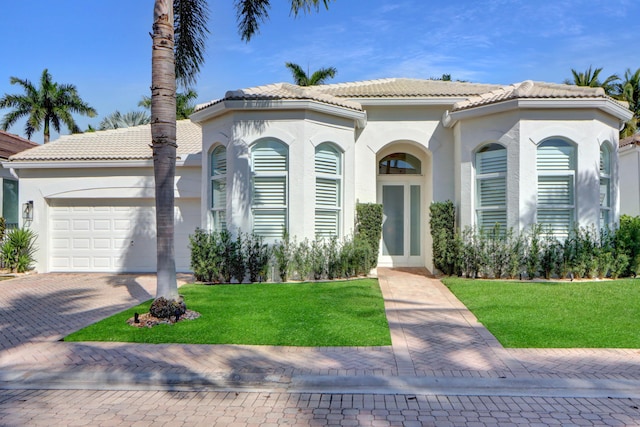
(605, 186)
(556, 186)
(328, 168)
(491, 187)
(269, 162)
(218, 175)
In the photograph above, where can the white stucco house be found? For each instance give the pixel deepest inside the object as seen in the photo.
(630, 175)
(282, 157)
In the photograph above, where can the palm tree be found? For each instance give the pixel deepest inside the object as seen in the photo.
(590, 78)
(629, 91)
(45, 106)
(184, 103)
(179, 33)
(317, 78)
(118, 120)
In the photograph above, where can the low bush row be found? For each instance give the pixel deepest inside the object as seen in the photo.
(218, 257)
(497, 253)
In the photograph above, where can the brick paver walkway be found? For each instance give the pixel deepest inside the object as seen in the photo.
(434, 337)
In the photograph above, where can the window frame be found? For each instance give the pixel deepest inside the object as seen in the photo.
(273, 176)
(560, 174)
(218, 214)
(482, 177)
(605, 176)
(337, 179)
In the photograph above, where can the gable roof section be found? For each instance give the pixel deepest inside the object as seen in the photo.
(283, 91)
(347, 95)
(405, 88)
(531, 90)
(132, 143)
(11, 144)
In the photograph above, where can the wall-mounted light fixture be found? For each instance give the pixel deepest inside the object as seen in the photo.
(27, 211)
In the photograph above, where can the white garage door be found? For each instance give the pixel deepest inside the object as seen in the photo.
(114, 235)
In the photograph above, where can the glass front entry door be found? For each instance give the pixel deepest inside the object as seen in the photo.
(401, 224)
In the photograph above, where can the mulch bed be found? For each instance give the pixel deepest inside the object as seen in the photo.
(146, 320)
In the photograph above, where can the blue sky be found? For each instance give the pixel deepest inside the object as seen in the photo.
(104, 48)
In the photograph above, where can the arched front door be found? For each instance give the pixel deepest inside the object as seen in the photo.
(400, 191)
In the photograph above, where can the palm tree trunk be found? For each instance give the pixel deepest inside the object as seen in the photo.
(163, 135)
(46, 133)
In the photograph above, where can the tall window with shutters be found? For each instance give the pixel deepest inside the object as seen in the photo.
(491, 187)
(218, 176)
(328, 168)
(556, 167)
(605, 186)
(269, 164)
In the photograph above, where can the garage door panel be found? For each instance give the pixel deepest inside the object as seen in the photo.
(81, 225)
(82, 243)
(109, 236)
(101, 243)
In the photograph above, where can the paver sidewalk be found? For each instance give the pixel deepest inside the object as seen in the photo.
(443, 368)
(433, 335)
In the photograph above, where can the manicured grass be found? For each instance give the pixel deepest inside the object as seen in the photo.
(602, 314)
(341, 313)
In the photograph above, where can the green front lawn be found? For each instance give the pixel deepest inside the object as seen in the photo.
(603, 314)
(340, 313)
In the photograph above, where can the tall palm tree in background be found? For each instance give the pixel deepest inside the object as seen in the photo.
(591, 78)
(45, 106)
(179, 34)
(629, 91)
(185, 104)
(319, 77)
(117, 120)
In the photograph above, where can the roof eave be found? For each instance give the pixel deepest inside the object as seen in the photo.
(227, 105)
(83, 164)
(610, 107)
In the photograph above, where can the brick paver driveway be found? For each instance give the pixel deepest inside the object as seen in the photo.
(443, 368)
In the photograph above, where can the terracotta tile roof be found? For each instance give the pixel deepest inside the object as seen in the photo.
(11, 144)
(280, 91)
(131, 143)
(630, 140)
(530, 89)
(405, 88)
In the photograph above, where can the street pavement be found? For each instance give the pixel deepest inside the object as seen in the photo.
(442, 369)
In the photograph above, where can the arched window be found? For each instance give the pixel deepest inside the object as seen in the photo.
(328, 168)
(218, 177)
(269, 164)
(491, 186)
(605, 186)
(400, 164)
(556, 167)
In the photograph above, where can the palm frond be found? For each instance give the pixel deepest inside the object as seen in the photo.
(191, 30)
(307, 6)
(250, 14)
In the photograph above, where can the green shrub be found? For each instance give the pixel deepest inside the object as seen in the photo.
(442, 222)
(627, 242)
(238, 267)
(163, 308)
(205, 256)
(369, 226)
(257, 255)
(332, 255)
(282, 257)
(18, 250)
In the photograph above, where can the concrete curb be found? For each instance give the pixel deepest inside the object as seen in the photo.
(444, 386)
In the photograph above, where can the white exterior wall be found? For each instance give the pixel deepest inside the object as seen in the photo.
(521, 132)
(44, 185)
(630, 180)
(302, 132)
